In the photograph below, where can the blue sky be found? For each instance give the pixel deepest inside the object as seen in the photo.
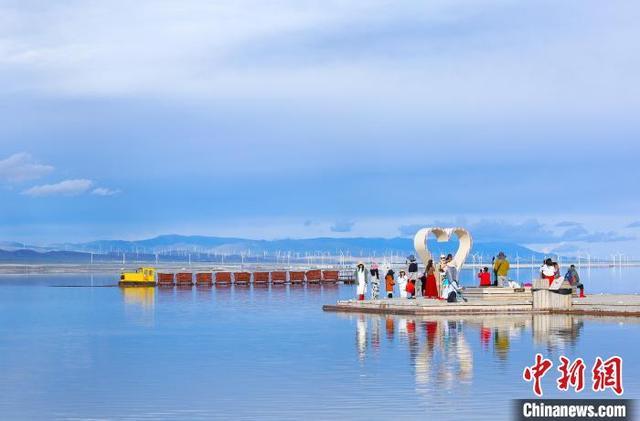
(308, 118)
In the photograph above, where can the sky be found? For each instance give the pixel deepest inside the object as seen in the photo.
(295, 119)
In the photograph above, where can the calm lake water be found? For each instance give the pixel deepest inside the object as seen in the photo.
(72, 351)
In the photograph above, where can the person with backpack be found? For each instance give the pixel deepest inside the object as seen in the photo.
(574, 279)
(501, 268)
(389, 283)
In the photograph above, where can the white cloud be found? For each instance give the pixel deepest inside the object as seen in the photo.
(63, 188)
(21, 167)
(104, 191)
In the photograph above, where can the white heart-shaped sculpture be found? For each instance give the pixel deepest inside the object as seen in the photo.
(443, 235)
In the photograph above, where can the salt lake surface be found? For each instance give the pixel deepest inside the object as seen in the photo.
(72, 351)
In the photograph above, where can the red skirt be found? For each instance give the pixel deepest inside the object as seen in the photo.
(550, 279)
(431, 289)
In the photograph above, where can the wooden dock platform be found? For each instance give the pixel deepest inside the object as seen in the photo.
(595, 305)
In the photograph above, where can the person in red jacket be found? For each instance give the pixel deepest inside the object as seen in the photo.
(485, 277)
(411, 289)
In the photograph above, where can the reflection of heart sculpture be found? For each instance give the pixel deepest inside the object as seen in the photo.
(442, 235)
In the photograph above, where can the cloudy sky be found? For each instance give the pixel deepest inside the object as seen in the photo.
(273, 119)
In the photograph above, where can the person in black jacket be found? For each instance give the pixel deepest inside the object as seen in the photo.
(413, 275)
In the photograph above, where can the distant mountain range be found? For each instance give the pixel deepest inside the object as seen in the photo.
(203, 248)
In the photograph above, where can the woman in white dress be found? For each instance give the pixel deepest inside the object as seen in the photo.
(361, 280)
(402, 284)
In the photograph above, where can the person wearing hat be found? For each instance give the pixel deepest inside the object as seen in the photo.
(402, 284)
(375, 281)
(501, 268)
(361, 280)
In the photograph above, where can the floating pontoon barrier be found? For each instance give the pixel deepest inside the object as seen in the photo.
(330, 276)
(314, 276)
(204, 279)
(223, 278)
(260, 277)
(165, 280)
(241, 278)
(184, 279)
(279, 277)
(296, 277)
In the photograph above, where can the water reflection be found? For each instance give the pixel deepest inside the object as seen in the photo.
(441, 349)
(139, 296)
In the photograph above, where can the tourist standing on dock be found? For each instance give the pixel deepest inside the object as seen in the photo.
(413, 274)
(501, 267)
(548, 271)
(361, 280)
(431, 288)
(441, 272)
(402, 284)
(389, 283)
(485, 278)
(574, 279)
(375, 281)
(495, 272)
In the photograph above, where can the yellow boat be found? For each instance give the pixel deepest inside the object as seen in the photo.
(141, 277)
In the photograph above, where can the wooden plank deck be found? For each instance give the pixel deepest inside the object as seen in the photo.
(627, 305)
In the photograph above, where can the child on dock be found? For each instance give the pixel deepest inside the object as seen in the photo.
(485, 277)
(390, 282)
(411, 289)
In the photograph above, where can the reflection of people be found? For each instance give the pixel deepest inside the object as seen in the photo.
(389, 283)
(402, 284)
(361, 280)
(501, 267)
(361, 337)
(431, 289)
(389, 327)
(375, 282)
(574, 279)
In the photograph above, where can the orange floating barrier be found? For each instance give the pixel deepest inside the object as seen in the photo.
(314, 276)
(184, 279)
(223, 278)
(279, 277)
(241, 278)
(260, 277)
(330, 276)
(165, 279)
(204, 278)
(296, 277)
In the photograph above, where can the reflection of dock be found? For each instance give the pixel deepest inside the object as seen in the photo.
(497, 302)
